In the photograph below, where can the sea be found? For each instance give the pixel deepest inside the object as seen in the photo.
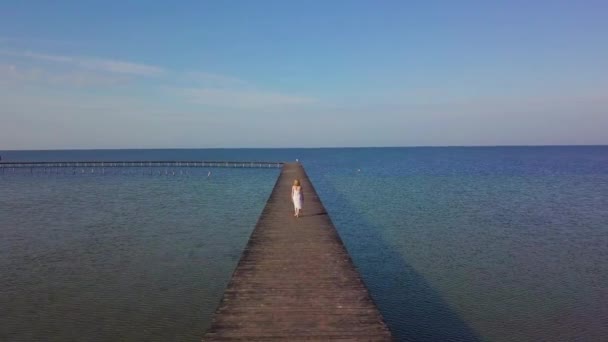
(454, 243)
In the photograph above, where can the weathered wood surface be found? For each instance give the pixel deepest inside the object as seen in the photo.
(295, 280)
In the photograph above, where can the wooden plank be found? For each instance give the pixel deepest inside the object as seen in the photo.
(295, 280)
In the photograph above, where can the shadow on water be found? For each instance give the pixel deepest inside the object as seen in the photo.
(412, 308)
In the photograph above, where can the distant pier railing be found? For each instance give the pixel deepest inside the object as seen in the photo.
(172, 163)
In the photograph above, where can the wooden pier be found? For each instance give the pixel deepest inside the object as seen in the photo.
(295, 280)
(109, 164)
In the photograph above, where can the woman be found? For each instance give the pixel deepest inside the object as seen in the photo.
(296, 197)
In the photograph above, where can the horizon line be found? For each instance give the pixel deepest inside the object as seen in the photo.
(301, 148)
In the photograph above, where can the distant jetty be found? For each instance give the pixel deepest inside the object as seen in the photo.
(171, 163)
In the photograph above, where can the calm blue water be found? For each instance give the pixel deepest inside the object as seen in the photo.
(455, 244)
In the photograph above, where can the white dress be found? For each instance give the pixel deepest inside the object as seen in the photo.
(296, 196)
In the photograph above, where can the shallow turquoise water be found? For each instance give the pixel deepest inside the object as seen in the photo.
(455, 244)
(122, 257)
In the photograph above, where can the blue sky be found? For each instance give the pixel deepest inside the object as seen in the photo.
(151, 74)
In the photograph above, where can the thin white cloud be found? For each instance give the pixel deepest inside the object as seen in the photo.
(94, 64)
(243, 98)
(195, 87)
(207, 79)
(12, 74)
